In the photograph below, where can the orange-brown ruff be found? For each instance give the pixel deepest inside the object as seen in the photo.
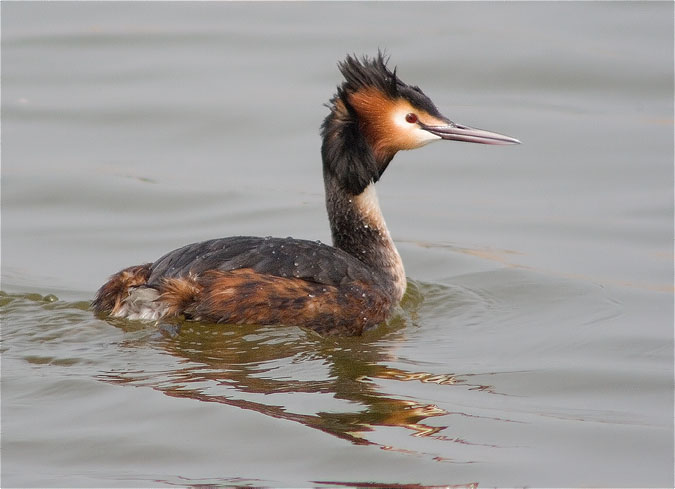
(339, 289)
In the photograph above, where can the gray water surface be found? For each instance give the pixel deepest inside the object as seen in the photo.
(534, 346)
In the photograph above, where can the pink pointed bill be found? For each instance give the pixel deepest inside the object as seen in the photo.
(458, 132)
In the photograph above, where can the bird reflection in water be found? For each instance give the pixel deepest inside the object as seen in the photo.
(266, 369)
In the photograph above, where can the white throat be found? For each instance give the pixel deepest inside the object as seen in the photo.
(369, 208)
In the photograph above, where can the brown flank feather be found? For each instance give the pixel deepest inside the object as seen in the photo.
(246, 297)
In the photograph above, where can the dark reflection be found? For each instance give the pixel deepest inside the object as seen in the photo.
(237, 482)
(375, 485)
(264, 368)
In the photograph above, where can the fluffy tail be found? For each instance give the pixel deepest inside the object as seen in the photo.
(112, 294)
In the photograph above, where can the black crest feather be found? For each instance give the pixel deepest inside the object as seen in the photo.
(369, 73)
(347, 157)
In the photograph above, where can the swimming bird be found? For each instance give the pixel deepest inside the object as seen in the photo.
(340, 289)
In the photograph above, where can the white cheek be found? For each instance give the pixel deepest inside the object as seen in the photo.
(425, 137)
(414, 132)
(399, 119)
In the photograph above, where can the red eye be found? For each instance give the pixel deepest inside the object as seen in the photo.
(411, 118)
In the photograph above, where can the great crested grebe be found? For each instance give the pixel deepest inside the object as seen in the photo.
(339, 289)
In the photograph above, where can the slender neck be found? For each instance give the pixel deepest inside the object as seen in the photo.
(358, 227)
(350, 169)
